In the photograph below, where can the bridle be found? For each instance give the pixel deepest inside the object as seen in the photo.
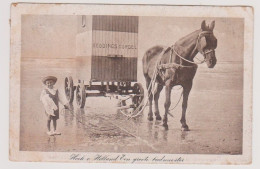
(201, 34)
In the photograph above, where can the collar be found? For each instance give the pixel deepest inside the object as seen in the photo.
(52, 91)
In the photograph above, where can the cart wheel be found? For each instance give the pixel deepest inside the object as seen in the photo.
(68, 88)
(139, 91)
(80, 95)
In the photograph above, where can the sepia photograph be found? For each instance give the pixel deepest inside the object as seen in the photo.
(139, 86)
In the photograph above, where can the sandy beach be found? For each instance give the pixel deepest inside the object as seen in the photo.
(214, 115)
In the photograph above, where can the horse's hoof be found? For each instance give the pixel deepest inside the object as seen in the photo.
(186, 128)
(150, 118)
(158, 117)
(165, 126)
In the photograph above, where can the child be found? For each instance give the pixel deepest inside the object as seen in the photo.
(50, 98)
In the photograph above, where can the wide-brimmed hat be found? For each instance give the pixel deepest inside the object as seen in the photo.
(53, 78)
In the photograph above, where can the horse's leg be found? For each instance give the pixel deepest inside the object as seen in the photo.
(167, 103)
(150, 114)
(156, 98)
(186, 92)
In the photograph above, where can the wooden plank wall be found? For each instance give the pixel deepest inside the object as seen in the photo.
(114, 36)
(114, 69)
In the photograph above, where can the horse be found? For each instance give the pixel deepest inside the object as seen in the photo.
(175, 66)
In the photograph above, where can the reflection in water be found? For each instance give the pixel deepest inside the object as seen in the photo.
(185, 138)
(51, 141)
(81, 118)
(184, 135)
(80, 124)
(68, 117)
(156, 135)
(156, 130)
(165, 135)
(157, 124)
(150, 129)
(70, 108)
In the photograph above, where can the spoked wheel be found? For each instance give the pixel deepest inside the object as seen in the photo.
(69, 89)
(80, 95)
(139, 95)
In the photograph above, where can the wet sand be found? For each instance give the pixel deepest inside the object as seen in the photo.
(214, 115)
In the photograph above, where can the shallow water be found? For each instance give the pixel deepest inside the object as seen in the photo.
(214, 115)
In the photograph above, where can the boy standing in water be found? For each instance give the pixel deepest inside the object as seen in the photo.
(51, 98)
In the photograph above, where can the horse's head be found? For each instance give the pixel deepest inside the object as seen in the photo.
(207, 43)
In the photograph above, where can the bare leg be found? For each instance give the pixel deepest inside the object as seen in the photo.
(156, 98)
(186, 92)
(167, 103)
(150, 114)
(54, 124)
(49, 124)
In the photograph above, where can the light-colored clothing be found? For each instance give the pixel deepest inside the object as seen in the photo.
(49, 105)
(50, 99)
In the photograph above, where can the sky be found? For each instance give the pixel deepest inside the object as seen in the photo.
(46, 36)
(167, 30)
(49, 36)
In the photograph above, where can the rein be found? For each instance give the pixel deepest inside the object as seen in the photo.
(187, 59)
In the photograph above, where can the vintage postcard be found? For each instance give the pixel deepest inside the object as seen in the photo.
(131, 83)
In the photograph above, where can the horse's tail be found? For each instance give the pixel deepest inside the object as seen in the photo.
(149, 55)
(145, 64)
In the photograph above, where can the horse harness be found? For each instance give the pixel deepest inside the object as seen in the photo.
(176, 66)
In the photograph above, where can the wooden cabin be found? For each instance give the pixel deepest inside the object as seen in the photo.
(109, 46)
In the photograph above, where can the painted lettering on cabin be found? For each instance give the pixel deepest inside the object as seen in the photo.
(113, 46)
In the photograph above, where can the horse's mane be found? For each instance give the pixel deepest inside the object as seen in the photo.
(158, 48)
(187, 39)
